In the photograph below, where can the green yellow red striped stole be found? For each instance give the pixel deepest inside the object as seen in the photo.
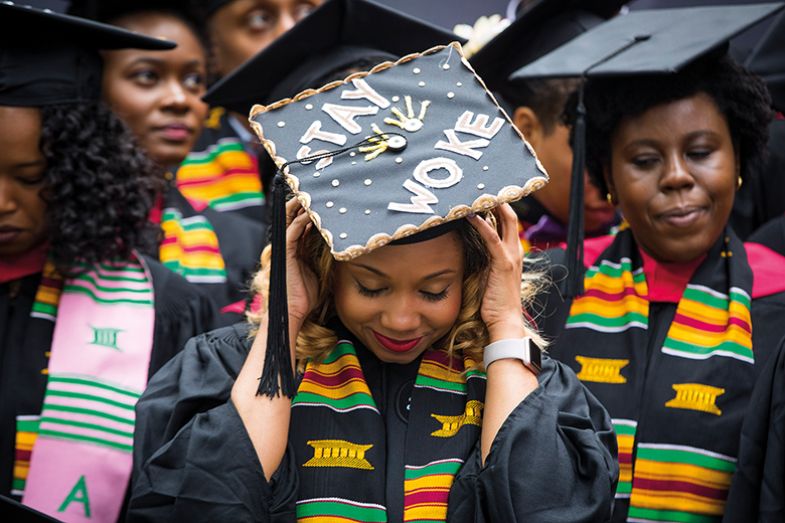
(190, 247)
(707, 323)
(676, 390)
(338, 436)
(73, 461)
(679, 483)
(221, 173)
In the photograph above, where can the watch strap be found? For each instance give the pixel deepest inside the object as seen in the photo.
(523, 349)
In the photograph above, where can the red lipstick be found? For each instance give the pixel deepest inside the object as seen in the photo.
(396, 345)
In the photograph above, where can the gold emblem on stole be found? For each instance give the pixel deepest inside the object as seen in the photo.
(338, 453)
(601, 370)
(472, 415)
(696, 396)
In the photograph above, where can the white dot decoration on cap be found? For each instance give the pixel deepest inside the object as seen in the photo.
(446, 67)
(352, 154)
(329, 204)
(354, 163)
(399, 160)
(343, 236)
(451, 95)
(484, 167)
(367, 211)
(459, 84)
(342, 210)
(416, 70)
(421, 83)
(317, 174)
(281, 124)
(396, 98)
(308, 107)
(368, 181)
(335, 183)
(481, 186)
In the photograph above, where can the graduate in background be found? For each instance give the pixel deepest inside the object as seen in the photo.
(676, 316)
(223, 169)
(85, 317)
(398, 305)
(158, 95)
(536, 106)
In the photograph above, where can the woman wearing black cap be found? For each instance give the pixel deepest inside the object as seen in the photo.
(158, 95)
(391, 299)
(84, 316)
(677, 316)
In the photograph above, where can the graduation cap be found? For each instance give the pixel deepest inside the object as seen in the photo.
(539, 28)
(768, 61)
(392, 154)
(50, 58)
(649, 42)
(333, 36)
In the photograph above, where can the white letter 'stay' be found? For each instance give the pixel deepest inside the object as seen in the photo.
(365, 91)
(315, 132)
(344, 115)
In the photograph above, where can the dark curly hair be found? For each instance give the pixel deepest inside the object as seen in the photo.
(99, 186)
(739, 95)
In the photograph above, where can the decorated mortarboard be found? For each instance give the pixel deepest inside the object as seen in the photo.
(384, 155)
(659, 41)
(50, 58)
(335, 34)
(539, 28)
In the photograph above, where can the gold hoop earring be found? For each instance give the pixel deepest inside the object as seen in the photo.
(609, 198)
(739, 182)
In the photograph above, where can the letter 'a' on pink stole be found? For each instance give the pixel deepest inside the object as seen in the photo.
(81, 461)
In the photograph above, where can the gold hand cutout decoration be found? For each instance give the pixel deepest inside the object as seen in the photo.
(408, 122)
(381, 143)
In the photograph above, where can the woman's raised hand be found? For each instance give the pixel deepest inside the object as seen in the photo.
(501, 304)
(301, 284)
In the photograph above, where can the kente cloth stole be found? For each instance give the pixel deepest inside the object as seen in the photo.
(712, 327)
(223, 175)
(190, 245)
(79, 448)
(338, 436)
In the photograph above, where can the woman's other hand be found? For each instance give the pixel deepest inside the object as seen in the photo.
(501, 304)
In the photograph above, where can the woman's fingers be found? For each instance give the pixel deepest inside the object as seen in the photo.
(296, 229)
(293, 209)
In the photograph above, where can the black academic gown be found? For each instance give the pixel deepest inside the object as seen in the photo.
(772, 235)
(645, 382)
(552, 460)
(758, 489)
(181, 311)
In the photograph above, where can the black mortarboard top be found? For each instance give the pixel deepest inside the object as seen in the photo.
(767, 60)
(383, 155)
(538, 28)
(18, 513)
(50, 58)
(640, 42)
(318, 45)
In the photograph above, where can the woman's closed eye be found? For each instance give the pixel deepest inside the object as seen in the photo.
(369, 292)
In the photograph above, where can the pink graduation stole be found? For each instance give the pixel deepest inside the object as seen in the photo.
(81, 460)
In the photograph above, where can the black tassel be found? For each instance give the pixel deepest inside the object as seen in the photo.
(573, 285)
(278, 360)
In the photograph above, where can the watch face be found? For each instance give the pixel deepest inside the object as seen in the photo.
(535, 353)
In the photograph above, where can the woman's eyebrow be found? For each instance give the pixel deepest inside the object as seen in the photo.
(383, 275)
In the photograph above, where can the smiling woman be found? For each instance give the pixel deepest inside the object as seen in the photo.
(679, 315)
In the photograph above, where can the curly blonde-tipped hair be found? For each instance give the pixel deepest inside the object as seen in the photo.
(468, 335)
